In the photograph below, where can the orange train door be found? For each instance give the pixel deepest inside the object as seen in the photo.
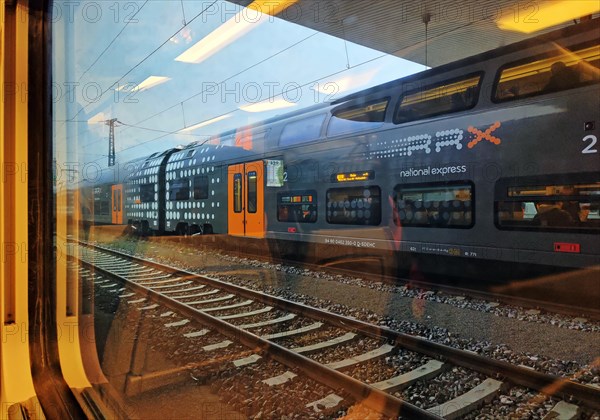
(117, 204)
(246, 204)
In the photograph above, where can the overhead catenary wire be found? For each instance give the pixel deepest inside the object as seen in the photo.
(349, 67)
(129, 20)
(180, 103)
(144, 59)
(231, 77)
(236, 109)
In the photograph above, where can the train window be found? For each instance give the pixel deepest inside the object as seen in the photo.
(551, 206)
(179, 189)
(357, 117)
(302, 131)
(441, 98)
(354, 206)
(147, 193)
(439, 205)
(252, 193)
(237, 193)
(297, 206)
(200, 187)
(101, 202)
(568, 69)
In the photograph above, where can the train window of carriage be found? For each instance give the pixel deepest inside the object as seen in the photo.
(546, 74)
(101, 201)
(302, 131)
(442, 98)
(297, 206)
(440, 205)
(147, 193)
(552, 206)
(252, 192)
(357, 117)
(179, 189)
(354, 205)
(200, 187)
(237, 193)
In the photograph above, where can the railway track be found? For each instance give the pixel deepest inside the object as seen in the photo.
(337, 352)
(500, 293)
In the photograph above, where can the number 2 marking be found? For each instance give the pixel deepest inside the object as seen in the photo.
(590, 147)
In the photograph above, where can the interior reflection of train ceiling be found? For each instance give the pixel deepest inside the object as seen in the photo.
(456, 28)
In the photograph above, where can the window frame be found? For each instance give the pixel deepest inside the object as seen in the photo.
(532, 59)
(448, 184)
(283, 142)
(204, 183)
(346, 107)
(252, 193)
(363, 187)
(302, 193)
(171, 190)
(435, 85)
(501, 196)
(144, 193)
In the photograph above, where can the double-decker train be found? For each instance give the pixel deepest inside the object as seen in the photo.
(491, 158)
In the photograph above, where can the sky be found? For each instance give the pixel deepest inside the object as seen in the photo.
(128, 60)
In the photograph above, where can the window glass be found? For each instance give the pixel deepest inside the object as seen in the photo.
(566, 70)
(302, 131)
(297, 206)
(101, 201)
(357, 117)
(354, 206)
(552, 206)
(252, 193)
(179, 189)
(147, 193)
(445, 98)
(237, 193)
(162, 101)
(200, 187)
(434, 205)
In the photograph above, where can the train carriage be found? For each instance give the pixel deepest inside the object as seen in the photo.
(195, 188)
(445, 163)
(145, 192)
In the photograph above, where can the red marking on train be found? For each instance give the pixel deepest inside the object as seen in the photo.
(484, 135)
(567, 247)
(292, 230)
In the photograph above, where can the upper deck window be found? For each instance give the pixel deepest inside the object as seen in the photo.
(147, 193)
(200, 187)
(302, 131)
(445, 98)
(357, 117)
(546, 74)
(180, 189)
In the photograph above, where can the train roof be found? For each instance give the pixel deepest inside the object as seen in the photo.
(591, 25)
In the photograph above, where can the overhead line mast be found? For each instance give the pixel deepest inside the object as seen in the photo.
(111, 141)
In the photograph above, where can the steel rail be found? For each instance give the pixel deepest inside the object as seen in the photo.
(374, 398)
(575, 311)
(547, 384)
